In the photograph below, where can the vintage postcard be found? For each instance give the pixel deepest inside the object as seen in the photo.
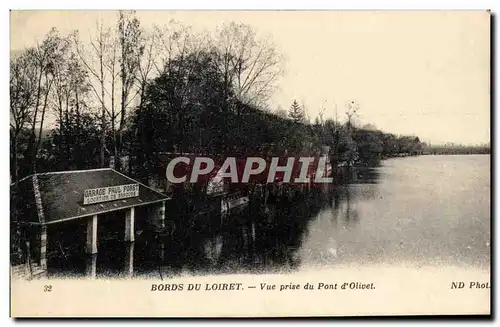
(249, 163)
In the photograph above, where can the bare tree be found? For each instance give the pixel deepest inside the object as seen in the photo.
(61, 100)
(131, 51)
(307, 117)
(113, 62)
(321, 114)
(248, 63)
(112, 66)
(180, 48)
(352, 108)
(46, 56)
(147, 63)
(95, 61)
(23, 90)
(71, 86)
(173, 40)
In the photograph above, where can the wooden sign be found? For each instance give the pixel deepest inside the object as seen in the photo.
(110, 193)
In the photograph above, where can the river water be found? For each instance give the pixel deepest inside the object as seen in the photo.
(427, 210)
(413, 211)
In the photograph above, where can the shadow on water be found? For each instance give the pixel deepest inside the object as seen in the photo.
(256, 238)
(375, 215)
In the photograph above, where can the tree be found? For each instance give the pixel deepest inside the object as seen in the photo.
(194, 93)
(352, 108)
(280, 112)
(182, 110)
(113, 62)
(131, 51)
(45, 57)
(250, 65)
(80, 149)
(296, 113)
(97, 63)
(71, 87)
(369, 145)
(173, 40)
(23, 90)
(184, 58)
(33, 75)
(320, 118)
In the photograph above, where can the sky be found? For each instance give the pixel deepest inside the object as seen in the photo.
(414, 73)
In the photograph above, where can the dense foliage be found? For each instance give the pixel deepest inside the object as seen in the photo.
(132, 94)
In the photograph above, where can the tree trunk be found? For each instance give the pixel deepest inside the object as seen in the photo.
(123, 103)
(14, 170)
(103, 124)
(122, 120)
(78, 162)
(113, 112)
(35, 151)
(61, 132)
(140, 155)
(32, 138)
(67, 136)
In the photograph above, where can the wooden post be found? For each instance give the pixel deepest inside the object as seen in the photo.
(253, 232)
(43, 247)
(92, 235)
(161, 214)
(161, 250)
(91, 268)
(28, 259)
(129, 225)
(129, 260)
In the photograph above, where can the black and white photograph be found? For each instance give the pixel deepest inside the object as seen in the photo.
(239, 157)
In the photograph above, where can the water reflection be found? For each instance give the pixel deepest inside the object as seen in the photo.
(91, 266)
(128, 266)
(262, 238)
(256, 238)
(379, 216)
